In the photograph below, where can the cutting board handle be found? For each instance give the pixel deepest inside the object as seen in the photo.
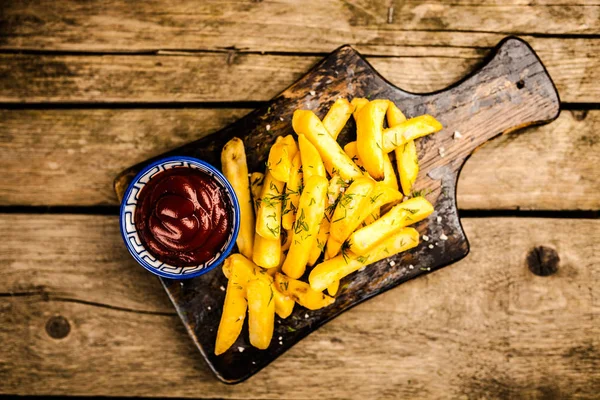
(510, 91)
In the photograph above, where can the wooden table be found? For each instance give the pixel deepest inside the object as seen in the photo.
(89, 88)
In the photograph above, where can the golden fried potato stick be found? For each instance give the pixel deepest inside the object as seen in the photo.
(312, 164)
(369, 137)
(268, 218)
(337, 116)
(307, 123)
(394, 115)
(234, 312)
(235, 169)
(399, 216)
(266, 252)
(311, 211)
(410, 129)
(261, 313)
(334, 269)
(302, 293)
(292, 193)
(408, 166)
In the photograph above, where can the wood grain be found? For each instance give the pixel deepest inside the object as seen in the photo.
(313, 25)
(505, 333)
(238, 76)
(83, 151)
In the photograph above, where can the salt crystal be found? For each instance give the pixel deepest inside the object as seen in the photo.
(241, 349)
(442, 151)
(411, 266)
(431, 246)
(209, 308)
(457, 135)
(392, 263)
(253, 363)
(280, 338)
(222, 288)
(281, 119)
(312, 93)
(426, 238)
(268, 127)
(439, 219)
(306, 316)
(281, 343)
(443, 237)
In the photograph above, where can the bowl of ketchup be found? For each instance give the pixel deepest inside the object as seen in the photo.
(179, 217)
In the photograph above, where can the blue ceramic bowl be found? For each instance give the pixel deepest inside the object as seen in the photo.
(130, 234)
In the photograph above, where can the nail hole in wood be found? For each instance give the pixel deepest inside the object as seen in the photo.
(58, 327)
(543, 261)
(520, 84)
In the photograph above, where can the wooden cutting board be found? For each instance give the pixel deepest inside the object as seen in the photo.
(511, 90)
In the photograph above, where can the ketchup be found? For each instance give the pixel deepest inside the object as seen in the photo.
(182, 216)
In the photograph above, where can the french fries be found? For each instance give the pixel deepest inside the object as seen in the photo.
(292, 213)
(310, 214)
(302, 293)
(280, 157)
(234, 312)
(268, 218)
(261, 313)
(336, 268)
(410, 129)
(399, 216)
(337, 116)
(312, 164)
(369, 137)
(308, 124)
(292, 193)
(235, 169)
(408, 166)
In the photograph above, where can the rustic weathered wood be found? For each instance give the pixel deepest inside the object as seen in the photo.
(574, 65)
(84, 149)
(312, 25)
(484, 328)
(511, 91)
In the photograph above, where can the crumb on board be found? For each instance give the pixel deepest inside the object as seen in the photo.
(392, 263)
(411, 266)
(439, 219)
(457, 135)
(431, 246)
(426, 238)
(442, 151)
(222, 288)
(443, 237)
(241, 349)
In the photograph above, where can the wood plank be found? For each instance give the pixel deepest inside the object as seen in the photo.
(74, 155)
(237, 76)
(484, 328)
(311, 25)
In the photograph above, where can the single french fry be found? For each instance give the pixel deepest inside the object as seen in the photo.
(333, 288)
(268, 218)
(394, 115)
(301, 293)
(256, 185)
(292, 193)
(400, 216)
(312, 164)
(336, 184)
(281, 156)
(261, 313)
(358, 103)
(408, 166)
(337, 116)
(235, 169)
(266, 252)
(248, 271)
(234, 312)
(334, 269)
(369, 137)
(335, 160)
(311, 210)
(410, 129)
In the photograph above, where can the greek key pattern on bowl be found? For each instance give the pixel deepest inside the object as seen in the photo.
(128, 222)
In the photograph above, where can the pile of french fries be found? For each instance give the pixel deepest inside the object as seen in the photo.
(317, 198)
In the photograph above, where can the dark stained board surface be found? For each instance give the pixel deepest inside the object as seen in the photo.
(510, 91)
